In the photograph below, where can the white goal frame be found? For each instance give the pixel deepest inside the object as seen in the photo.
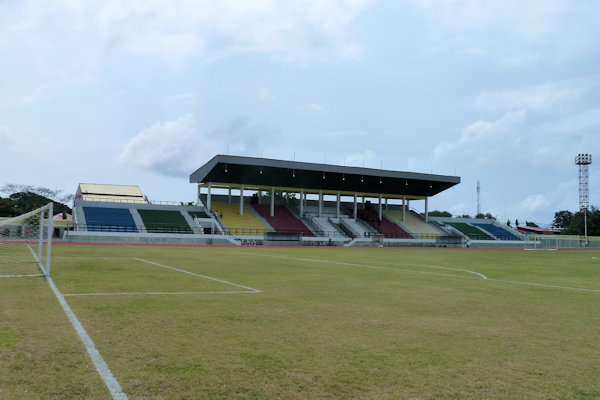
(47, 227)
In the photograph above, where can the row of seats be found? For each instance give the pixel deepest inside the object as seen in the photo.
(108, 219)
(173, 221)
(102, 219)
(236, 224)
(412, 223)
(498, 232)
(282, 220)
(384, 226)
(470, 231)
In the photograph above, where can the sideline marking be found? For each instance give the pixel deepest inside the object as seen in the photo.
(20, 276)
(101, 366)
(433, 273)
(201, 276)
(155, 293)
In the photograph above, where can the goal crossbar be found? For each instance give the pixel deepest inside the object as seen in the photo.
(18, 237)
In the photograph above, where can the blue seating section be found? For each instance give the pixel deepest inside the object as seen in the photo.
(500, 233)
(101, 219)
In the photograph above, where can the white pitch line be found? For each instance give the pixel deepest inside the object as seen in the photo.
(101, 366)
(547, 285)
(379, 267)
(435, 266)
(201, 276)
(155, 293)
(433, 273)
(20, 276)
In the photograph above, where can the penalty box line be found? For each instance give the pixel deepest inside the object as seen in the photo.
(253, 290)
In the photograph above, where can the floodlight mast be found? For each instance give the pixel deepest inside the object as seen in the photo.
(584, 160)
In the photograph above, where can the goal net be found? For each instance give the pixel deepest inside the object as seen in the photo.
(26, 244)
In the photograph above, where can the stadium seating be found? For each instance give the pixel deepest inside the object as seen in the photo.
(413, 223)
(471, 231)
(384, 226)
(237, 224)
(198, 214)
(499, 232)
(102, 219)
(283, 220)
(164, 221)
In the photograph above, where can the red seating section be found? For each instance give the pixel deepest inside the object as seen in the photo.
(385, 226)
(283, 221)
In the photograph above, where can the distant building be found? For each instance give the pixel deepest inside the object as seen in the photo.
(110, 193)
(532, 230)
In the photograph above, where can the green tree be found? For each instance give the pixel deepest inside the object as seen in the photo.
(436, 213)
(562, 219)
(8, 208)
(532, 224)
(576, 225)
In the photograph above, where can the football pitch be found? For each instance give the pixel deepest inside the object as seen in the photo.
(305, 323)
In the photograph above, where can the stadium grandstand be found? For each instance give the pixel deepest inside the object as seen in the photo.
(242, 200)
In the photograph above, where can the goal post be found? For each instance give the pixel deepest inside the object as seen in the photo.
(26, 243)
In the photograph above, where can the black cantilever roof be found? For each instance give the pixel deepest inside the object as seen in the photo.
(263, 173)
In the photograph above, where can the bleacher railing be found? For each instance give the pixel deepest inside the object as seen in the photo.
(136, 201)
(132, 228)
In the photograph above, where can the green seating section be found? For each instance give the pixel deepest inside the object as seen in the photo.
(164, 221)
(470, 231)
(198, 214)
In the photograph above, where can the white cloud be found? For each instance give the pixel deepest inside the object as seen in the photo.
(546, 97)
(512, 32)
(188, 98)
(176, 148)
(6, 137)
(535, 202)
(316, 108)
(364, 158)
(175, 31)
(484, 139)
(267, 94)
(167, 147)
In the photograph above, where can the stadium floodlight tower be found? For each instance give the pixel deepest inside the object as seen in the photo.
(584, 160)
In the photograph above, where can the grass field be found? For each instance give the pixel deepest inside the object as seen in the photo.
(306, 323)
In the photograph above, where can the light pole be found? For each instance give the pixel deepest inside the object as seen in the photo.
(584, 160)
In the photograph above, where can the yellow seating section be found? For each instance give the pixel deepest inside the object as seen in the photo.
(238, 224)
(413, 223)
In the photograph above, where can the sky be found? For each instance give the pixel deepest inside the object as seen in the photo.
(144, 92)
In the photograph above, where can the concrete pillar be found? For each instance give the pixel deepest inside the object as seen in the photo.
(386, 204)
(426, 209)
(272, 201)
(380, 208)
(199, 199)
(208, 202)
(403, 208)
(337, 205)
(242, 200)
(229, 195)
(355, 206)
(320, 201)
(301, 203)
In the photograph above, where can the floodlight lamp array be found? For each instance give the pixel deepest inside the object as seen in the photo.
(583, 159)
